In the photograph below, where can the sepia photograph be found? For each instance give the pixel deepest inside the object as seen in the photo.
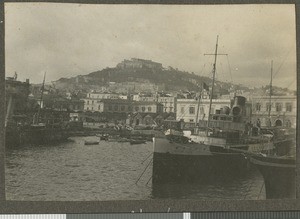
(112, 102)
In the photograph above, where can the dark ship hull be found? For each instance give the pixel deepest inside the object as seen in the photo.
(192, 162)
(195, 168)
(279, 175)
(35, 136)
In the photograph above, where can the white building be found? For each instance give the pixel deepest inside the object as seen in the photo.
(169, 103)
(187, 108)
(93, 98)
(283, 110)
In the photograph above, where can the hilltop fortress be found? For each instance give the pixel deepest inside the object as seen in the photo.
(139, 63)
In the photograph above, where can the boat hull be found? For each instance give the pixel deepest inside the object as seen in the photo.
(175, 162)
(279, 176)
(42, 136)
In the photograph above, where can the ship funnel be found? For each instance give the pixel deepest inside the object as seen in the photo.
(238, 105)
(225, 110)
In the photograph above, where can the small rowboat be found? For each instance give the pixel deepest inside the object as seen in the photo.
(91, 142)
(137, 141)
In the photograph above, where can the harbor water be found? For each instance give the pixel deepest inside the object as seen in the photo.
(72, 171)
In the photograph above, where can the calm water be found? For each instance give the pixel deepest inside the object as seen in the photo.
(73, 171)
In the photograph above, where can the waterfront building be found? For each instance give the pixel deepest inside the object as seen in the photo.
(147, 106)
(124, 106)
(187, 108)
(168, 102)
(283, 110)
(92, 99)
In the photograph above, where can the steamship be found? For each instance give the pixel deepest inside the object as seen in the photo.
(212, 148)
(209, 151)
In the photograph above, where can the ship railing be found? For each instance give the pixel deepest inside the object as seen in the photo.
(225, 125)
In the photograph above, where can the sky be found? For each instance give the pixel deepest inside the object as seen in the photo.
(66, 40)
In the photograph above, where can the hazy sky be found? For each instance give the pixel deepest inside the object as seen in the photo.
(66, 40)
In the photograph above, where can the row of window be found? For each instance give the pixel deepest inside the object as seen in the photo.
(278, 107)
(192, 110)
(123, 108)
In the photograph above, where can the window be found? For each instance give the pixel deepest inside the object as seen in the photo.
(88, 102)
(258, 106)
(137, 108)
(110, 107)
(192, 110)
(92, 102)
(116, 108)
(129, 108)
(268, 107)
(92, 108)
(191, 120)
(98, 107)
(122, 108)
(87, 109)
(182, 109)
(201, 110)
(288, 107)
(278, 107)
(143, 109)
(149, 109)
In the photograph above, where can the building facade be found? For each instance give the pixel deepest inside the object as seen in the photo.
(168, 102)
(283, 110)
(92, 99)
(124, 106)
(187, 108)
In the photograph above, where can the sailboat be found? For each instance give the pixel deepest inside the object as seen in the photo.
(207, 150)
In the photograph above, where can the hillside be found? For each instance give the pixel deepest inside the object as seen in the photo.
(167, 79)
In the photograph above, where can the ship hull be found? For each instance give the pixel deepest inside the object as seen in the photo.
(279, 176)
(175, 162)
(43, 136)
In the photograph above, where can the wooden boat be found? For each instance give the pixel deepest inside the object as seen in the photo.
(91, 142)
(137, 141)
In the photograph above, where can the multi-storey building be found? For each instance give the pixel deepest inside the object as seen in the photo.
(92, 99)
(187, 108)
(168, 102)
(283, 110)
(124, 106)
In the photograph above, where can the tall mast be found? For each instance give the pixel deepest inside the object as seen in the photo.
(198, 107)
(270, 97)
(41, 99)
(213, 82)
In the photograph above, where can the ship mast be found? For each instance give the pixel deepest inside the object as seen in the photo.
(270, 97)
(213, 79)
(41, 99)
(198, 107)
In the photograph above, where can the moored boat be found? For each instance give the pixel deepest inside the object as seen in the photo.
(86, 142)
(279, 173)
(204, 151)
